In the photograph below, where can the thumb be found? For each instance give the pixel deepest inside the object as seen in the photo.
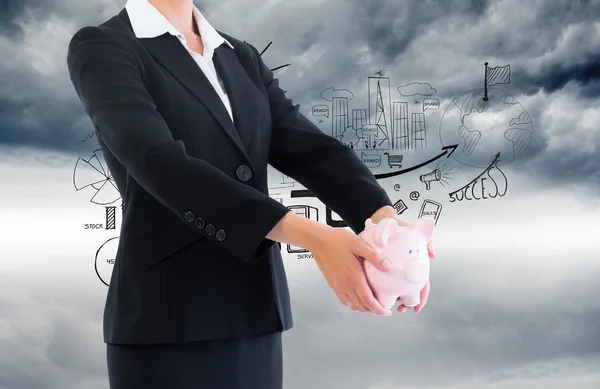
(371, 255)
(431, 251)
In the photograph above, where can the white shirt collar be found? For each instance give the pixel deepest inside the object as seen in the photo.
(148, 22)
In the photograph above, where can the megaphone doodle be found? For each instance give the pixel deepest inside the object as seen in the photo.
(434, 175)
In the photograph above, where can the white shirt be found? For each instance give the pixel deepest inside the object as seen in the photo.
(148, 22)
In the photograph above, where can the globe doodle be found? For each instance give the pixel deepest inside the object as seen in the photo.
(484, 128)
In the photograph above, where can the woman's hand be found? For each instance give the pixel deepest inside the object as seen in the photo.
(338, 254)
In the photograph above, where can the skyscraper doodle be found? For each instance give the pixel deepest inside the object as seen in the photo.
(385, 123)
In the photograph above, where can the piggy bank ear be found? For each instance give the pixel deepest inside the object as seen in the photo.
(369, 223)
(424, 226)
(384, 230)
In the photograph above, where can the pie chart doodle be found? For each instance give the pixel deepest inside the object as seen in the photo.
(94, 173)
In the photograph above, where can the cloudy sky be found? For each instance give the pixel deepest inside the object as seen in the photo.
(514, 295)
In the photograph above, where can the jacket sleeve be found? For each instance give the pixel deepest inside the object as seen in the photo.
(107, 78)
(321, 163)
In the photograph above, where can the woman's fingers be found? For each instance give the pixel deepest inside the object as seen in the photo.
(424, 296)
(431, 251)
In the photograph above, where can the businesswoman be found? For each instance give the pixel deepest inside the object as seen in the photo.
(188, 119)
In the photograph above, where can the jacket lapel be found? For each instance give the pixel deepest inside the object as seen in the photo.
(236, 85)
(171, 54)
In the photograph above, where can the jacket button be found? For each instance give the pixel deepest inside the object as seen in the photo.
(199, 222)
(243, 173)
(221, 235)
(210, 229)
(189, 216)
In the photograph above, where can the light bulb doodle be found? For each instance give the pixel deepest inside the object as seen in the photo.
(476, 187)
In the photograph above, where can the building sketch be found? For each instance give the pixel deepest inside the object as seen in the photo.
(339, 116)
(419, 136)
(400, 139)
(385, 124)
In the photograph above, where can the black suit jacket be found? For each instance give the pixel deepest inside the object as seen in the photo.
(193, 262)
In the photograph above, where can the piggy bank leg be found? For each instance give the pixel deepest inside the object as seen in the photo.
(387, 301)
(411, 300)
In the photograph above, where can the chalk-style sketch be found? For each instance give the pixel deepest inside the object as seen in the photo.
(394, 160)
(371, 160)
(379, 112)
(494, 76)
(384, 124)
(93, 173)
(400, 206)
(329, 219)
(471, 138)
(105, 259)
(277, 67)
(308, 212)
(414, 195)
(283, 182)
(439, 174)
(479, 189)
(430, 209)
(487, 120)
(397, 187)
(444, 150)
(416, 89)
(431, 104)
(320, 110)
(111, 218)
(276, 197)
(380, 72)
(330, 93)
(519, 137)
(88, 136)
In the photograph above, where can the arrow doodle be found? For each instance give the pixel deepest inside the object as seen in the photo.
(410, 169)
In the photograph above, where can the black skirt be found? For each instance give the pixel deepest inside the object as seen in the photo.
(252, 362)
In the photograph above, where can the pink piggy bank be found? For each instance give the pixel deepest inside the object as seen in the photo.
(406, 249)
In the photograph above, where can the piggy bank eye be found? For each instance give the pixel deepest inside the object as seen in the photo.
(410, 251)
